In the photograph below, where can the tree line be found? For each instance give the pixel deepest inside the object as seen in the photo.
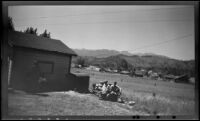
(31, 30)
(28, 30)
(121, 64)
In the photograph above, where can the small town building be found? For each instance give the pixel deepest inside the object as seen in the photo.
(182, 79)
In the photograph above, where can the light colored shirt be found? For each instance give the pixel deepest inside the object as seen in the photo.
(104, 89)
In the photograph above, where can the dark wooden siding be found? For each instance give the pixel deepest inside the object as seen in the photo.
(24, 60)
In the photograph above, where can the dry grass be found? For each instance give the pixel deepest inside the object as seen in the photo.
(61, 104)
(159, 105)
(151, 97)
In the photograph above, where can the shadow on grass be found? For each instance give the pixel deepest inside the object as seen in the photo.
(41, 92)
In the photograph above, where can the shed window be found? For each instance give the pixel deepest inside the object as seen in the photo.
(46, 66)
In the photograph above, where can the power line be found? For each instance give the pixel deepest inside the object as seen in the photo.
(155, 44)
(101, 13)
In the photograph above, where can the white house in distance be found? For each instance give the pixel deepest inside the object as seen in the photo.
(93, 68)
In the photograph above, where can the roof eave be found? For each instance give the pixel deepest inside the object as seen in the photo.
(74, 55)
(71, 54)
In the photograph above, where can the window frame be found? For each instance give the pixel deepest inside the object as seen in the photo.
(46, 62)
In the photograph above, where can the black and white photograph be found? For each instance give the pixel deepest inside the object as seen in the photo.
(100, 60)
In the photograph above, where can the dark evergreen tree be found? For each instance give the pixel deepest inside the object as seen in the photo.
(31, 30)
(45, 34)
(10, 24)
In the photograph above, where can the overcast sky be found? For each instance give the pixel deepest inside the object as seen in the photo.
(164, 30)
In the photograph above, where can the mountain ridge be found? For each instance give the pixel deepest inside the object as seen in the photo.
(155, 62)
(102, 53)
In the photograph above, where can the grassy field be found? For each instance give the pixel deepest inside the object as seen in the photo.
(152, 98)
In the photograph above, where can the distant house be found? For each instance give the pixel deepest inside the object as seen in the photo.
(37, 57)
(94, 68)
(108, 70)
(169, 77)
(114, 71)
(139, 73)
(154, 75)
(182, 79)
(77, 66)
(125, 72)
(149, 73)
(102, 70)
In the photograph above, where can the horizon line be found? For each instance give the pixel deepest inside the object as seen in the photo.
(134, 53)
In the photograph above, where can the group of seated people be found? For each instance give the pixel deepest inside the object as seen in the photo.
(107, 91)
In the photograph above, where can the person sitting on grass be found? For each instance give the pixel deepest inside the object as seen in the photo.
(98, 87)
(109, 88)
(104, 90)
(115, 90)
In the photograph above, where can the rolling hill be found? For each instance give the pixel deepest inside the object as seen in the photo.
(102, 53)
(158, 63)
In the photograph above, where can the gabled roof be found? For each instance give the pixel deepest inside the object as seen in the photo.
(37, 42)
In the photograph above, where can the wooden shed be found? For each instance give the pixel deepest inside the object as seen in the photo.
(40, 63)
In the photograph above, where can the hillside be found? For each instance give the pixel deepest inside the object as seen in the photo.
(162, 64)
(154, 62)
(102, 53)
